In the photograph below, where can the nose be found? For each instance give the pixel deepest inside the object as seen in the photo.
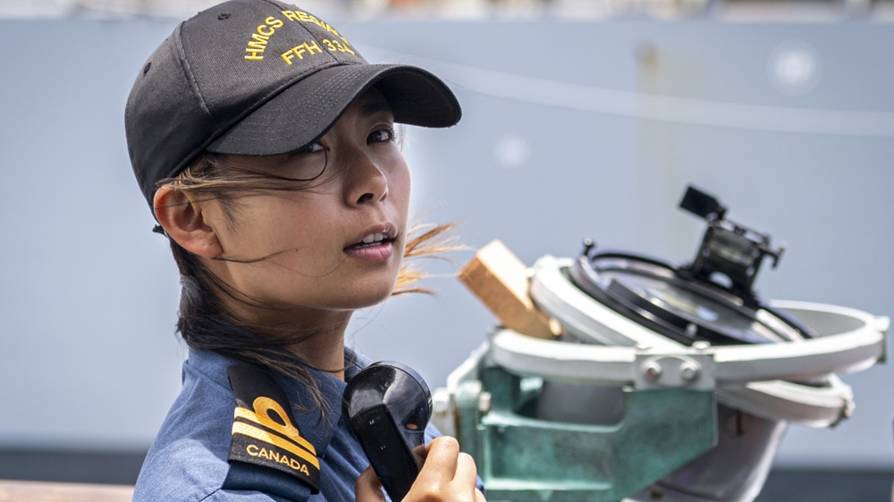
(367, 183)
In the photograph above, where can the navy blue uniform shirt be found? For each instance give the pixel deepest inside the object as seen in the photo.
(189, 459)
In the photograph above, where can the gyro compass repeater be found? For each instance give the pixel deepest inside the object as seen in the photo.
(617, 376)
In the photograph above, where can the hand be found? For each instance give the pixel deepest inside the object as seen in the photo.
(447, 475)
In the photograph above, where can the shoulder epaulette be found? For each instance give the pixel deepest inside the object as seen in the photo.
(264, 431)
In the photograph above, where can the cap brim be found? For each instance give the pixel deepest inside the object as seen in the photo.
(307, 109)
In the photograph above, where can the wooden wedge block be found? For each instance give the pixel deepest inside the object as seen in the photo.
(500, 280)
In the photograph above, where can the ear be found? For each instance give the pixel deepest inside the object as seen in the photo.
(185, 220)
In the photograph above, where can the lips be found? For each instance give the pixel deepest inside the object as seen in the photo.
(371, 244)
(378, 253)
(388, 229)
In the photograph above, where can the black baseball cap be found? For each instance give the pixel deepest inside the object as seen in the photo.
(259, 77)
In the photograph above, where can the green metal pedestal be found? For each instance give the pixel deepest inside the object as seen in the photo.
(522, 459)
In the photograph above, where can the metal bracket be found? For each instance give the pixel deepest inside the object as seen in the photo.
(656, 371)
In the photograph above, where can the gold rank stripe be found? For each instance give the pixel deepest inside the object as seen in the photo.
(262, 435)
(291, 434)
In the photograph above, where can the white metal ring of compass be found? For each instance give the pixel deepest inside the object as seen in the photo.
(747, 377)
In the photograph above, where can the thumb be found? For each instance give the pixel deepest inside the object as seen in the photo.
(368, 487)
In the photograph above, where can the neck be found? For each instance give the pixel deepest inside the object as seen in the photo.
(324, 345)
(325, 349)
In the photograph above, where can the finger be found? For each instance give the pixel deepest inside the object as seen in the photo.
(465, 471)
(440, 463)
(368, 488)
(479, 497)
(421, 451)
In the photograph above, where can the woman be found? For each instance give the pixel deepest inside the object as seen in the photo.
(265, 145)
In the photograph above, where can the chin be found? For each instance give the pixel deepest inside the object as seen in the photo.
(364, 295)
(371, 298)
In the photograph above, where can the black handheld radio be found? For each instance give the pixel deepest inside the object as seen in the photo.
(388, 406)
